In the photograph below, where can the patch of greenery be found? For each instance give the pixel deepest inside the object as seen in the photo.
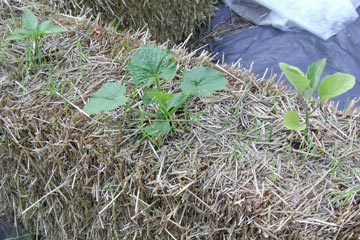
(306, 84)
(148, 66)
(34, 31)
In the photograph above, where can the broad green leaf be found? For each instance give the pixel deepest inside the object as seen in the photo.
(291, 121)
(335, 85)
(176, 99)
(29, 20)
(202, 81)
(149, 63)
(160, 97)
(16, 37)
(108, 97)
(295, 76)
(44, 25)
(47, 28)
(53, 29)
(27, 32)
(314, 75)
(158, 128)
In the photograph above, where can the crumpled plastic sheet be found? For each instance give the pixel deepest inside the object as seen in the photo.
(263, 47)
(323, 18)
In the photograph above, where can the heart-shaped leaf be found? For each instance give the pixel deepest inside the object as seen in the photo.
(158, 128)
(149, 63)
(291, 121)
(108, 97)
(29, 20)
(202, 81)
(295, 76)
(335, 85)
(314, 75)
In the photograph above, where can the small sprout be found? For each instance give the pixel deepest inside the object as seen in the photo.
(330, 87)
(32, 29)
(147, 66)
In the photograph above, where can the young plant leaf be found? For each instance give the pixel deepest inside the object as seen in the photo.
(159, 97)
(29, 20)
(335, 85)
(202, 81)
(26, 32)
(291, 121)
(158, 128)
(149, 63)
(314, 75)
(295, 76)
(16, 37)
(108, 97)
(46, 28)
(32, 29)
(175, 100)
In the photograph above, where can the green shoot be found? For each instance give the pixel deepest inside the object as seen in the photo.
(330, 87)
(34, 30)
(148, 67)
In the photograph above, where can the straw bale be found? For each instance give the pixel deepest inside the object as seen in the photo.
(166, 20)
(229, 171)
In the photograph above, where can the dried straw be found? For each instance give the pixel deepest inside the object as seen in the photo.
(229, 171)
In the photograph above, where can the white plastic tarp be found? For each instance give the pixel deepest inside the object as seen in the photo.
(323, 18)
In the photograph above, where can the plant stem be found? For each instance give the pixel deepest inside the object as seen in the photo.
(157, 82)
(307, 115)
(307, 121)
(180, 104)
(142, 112)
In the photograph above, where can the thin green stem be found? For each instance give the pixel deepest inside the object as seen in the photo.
(307, 116)
(157, 82)
(142, 112)
(307, 122)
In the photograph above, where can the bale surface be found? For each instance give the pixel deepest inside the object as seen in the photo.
(166, 20)
(229, 171)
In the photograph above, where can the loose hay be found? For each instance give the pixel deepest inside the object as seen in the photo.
(229, 171)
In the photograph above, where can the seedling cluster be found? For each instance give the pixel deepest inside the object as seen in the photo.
(34, 31)
(149, 66)
(331, 86)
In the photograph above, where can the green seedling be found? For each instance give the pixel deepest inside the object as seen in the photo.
(34, 30)
(331, 86)
(149, 67)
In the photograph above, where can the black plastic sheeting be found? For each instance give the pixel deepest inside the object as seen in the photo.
(264, 47)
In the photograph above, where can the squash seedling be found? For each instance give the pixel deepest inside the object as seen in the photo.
(148, 66)
(331, 86)
(34, 30)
